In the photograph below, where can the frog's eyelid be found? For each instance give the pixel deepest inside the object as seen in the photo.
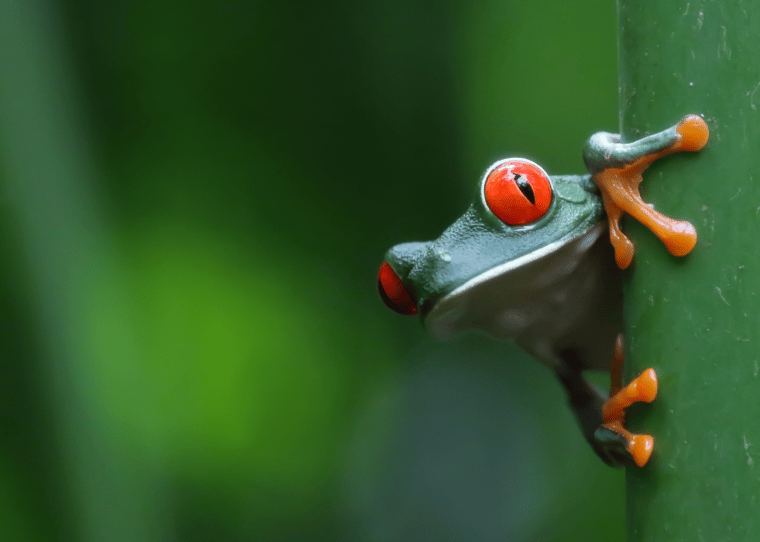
(571, 191)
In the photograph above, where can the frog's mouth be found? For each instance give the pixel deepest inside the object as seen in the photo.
(485, 301)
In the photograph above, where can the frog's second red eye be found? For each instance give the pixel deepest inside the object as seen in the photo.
(393, 292)
(518, 191)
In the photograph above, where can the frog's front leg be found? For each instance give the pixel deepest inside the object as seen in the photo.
(617, 167)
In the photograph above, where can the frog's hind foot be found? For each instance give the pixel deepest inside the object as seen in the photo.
(620, 448)
(617, 167)
(620, 445)
(642, 390)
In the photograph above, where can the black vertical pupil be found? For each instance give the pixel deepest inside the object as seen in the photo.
(525, 188)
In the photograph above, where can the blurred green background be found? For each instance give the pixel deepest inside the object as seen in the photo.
(195, 198)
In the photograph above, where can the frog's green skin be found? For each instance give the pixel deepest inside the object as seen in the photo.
(552, 285)
(537, 283)
(540, 284)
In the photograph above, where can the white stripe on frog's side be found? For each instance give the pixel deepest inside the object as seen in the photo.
(582, 244)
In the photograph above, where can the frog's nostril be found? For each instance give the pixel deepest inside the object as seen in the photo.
(392, 291)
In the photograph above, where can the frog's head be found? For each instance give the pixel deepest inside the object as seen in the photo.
(519, 216)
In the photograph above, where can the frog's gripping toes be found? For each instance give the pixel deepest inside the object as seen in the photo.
(617, 168)
(612, 436)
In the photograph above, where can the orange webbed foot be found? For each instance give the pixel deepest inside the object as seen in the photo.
(617, 170)
(642, 389)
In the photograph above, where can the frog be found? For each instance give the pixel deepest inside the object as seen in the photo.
(537, 259)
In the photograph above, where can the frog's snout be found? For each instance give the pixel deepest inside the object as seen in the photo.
(392, 291)
(394, 272)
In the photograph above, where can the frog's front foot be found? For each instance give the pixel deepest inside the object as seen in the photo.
(620, 445)
(617, 167)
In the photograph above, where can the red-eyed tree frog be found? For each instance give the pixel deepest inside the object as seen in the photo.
(529, 261)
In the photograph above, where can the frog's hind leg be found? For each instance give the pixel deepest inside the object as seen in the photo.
(587, 403)
(617, 167)
(641, 389)
(602, 420)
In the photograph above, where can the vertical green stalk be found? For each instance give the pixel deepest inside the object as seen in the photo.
(695, 320)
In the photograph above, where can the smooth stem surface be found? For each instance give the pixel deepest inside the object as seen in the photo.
(695, 319)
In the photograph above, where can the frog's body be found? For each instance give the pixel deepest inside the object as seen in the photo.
(529, 261)
(562, 267)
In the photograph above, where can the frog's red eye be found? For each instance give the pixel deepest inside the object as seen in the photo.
(393, 292)
(518, 191)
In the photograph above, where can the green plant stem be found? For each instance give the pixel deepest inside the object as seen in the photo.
(695, 319)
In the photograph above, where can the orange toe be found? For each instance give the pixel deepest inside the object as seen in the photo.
(646, 386)
(640, 447)
(694, 133)
(623, 253)
(681, 238)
